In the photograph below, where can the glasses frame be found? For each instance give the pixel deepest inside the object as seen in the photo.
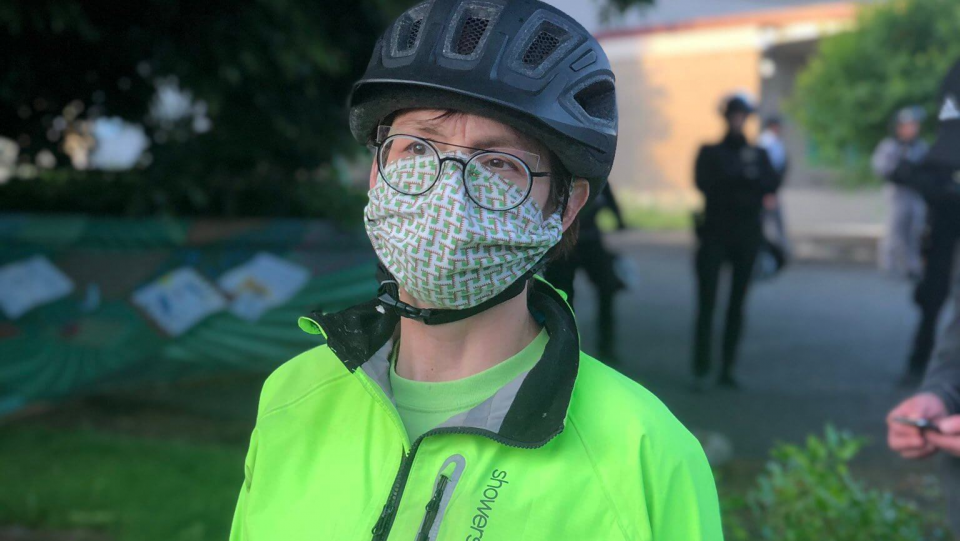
(478, 152)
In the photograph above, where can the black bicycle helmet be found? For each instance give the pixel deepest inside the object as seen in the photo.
(522, 62)
(738, 102)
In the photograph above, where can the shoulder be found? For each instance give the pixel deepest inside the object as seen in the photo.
(887, 145)
(649, 463)
(610, 407)
(298, 378)
(708, 149)
(760, 151)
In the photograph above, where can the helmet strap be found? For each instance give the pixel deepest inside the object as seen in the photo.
(389, 296)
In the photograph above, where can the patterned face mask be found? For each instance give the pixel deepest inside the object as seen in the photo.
(446, 250)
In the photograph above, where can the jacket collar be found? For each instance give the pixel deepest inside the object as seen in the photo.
(540, 399)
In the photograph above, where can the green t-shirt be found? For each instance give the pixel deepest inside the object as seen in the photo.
(423, 405)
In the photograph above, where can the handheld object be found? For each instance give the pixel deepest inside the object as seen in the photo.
(922, 424)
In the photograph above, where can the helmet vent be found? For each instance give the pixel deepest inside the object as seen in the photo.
(471, 33)
(549, 37)
(470, 28)
(407, 30)
(542, 43)
(410, 35)
(599, 100)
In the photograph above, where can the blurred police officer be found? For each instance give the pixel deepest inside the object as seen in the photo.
(938, 178)
(901, 255)
(591, 255)
(943, 231)
(777, 244)
(771, 140)
(734, 177)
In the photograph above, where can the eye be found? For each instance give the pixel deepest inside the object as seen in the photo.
(501, 164)
(418, 149)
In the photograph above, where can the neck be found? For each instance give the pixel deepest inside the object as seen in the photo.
(463, 348)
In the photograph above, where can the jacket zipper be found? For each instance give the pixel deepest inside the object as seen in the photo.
(447, 479)
(433, 507)
(381, 530)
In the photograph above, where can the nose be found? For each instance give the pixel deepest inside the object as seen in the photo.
(450, 188)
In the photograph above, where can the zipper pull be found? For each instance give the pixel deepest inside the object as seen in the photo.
(434, 503)
(433, 506)
(381, 524)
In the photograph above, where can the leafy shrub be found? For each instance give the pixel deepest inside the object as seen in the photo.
(807, 493)
(896, 56)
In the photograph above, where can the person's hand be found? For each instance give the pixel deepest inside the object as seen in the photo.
(948, 440)
(907, 440)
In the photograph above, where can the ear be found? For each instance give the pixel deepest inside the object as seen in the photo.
(579, 193)
(373, 173)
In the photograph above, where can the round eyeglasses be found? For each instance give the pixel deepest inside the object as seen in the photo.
(494, 180)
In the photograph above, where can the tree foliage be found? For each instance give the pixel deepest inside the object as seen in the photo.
(896, 56)
(273, 74)
(272, 77)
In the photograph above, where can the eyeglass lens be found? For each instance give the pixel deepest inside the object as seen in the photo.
(494, 180)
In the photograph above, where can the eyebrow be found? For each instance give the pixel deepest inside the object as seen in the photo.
(427, 128)
(506, 141)
(509, 141)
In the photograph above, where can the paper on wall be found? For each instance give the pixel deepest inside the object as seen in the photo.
(29, 283)
(179, 300)
(264, 282)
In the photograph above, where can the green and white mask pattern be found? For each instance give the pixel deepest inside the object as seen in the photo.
(446, 250)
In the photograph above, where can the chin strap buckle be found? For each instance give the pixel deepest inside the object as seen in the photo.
(387, 295)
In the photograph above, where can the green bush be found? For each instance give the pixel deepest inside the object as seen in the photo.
(807, 493)
(897, 55)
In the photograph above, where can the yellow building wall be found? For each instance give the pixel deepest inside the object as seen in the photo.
(669, 88)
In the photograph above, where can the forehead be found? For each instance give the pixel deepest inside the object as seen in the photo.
(463, 129)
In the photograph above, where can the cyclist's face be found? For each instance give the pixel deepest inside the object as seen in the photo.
(473, 131)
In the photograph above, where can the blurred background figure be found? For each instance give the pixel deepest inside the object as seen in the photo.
(771, 140)
(734, 177)
(598, 262)
(775, 250)
(938, 194)
(939, 397)
(901, 253)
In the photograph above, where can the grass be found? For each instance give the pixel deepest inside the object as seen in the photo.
(646, 217)
(130, 488)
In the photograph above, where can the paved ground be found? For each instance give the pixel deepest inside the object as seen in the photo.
(825, 343)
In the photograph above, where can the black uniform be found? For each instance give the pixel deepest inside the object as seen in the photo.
(938, 179)
(943, 378)
(593, 257)
(734, 177)
(940, 191)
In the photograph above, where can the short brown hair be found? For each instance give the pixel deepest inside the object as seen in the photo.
(561, 184)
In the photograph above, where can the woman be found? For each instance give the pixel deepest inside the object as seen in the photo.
(457, 405)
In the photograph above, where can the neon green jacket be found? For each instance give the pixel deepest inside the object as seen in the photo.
(570, 450)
